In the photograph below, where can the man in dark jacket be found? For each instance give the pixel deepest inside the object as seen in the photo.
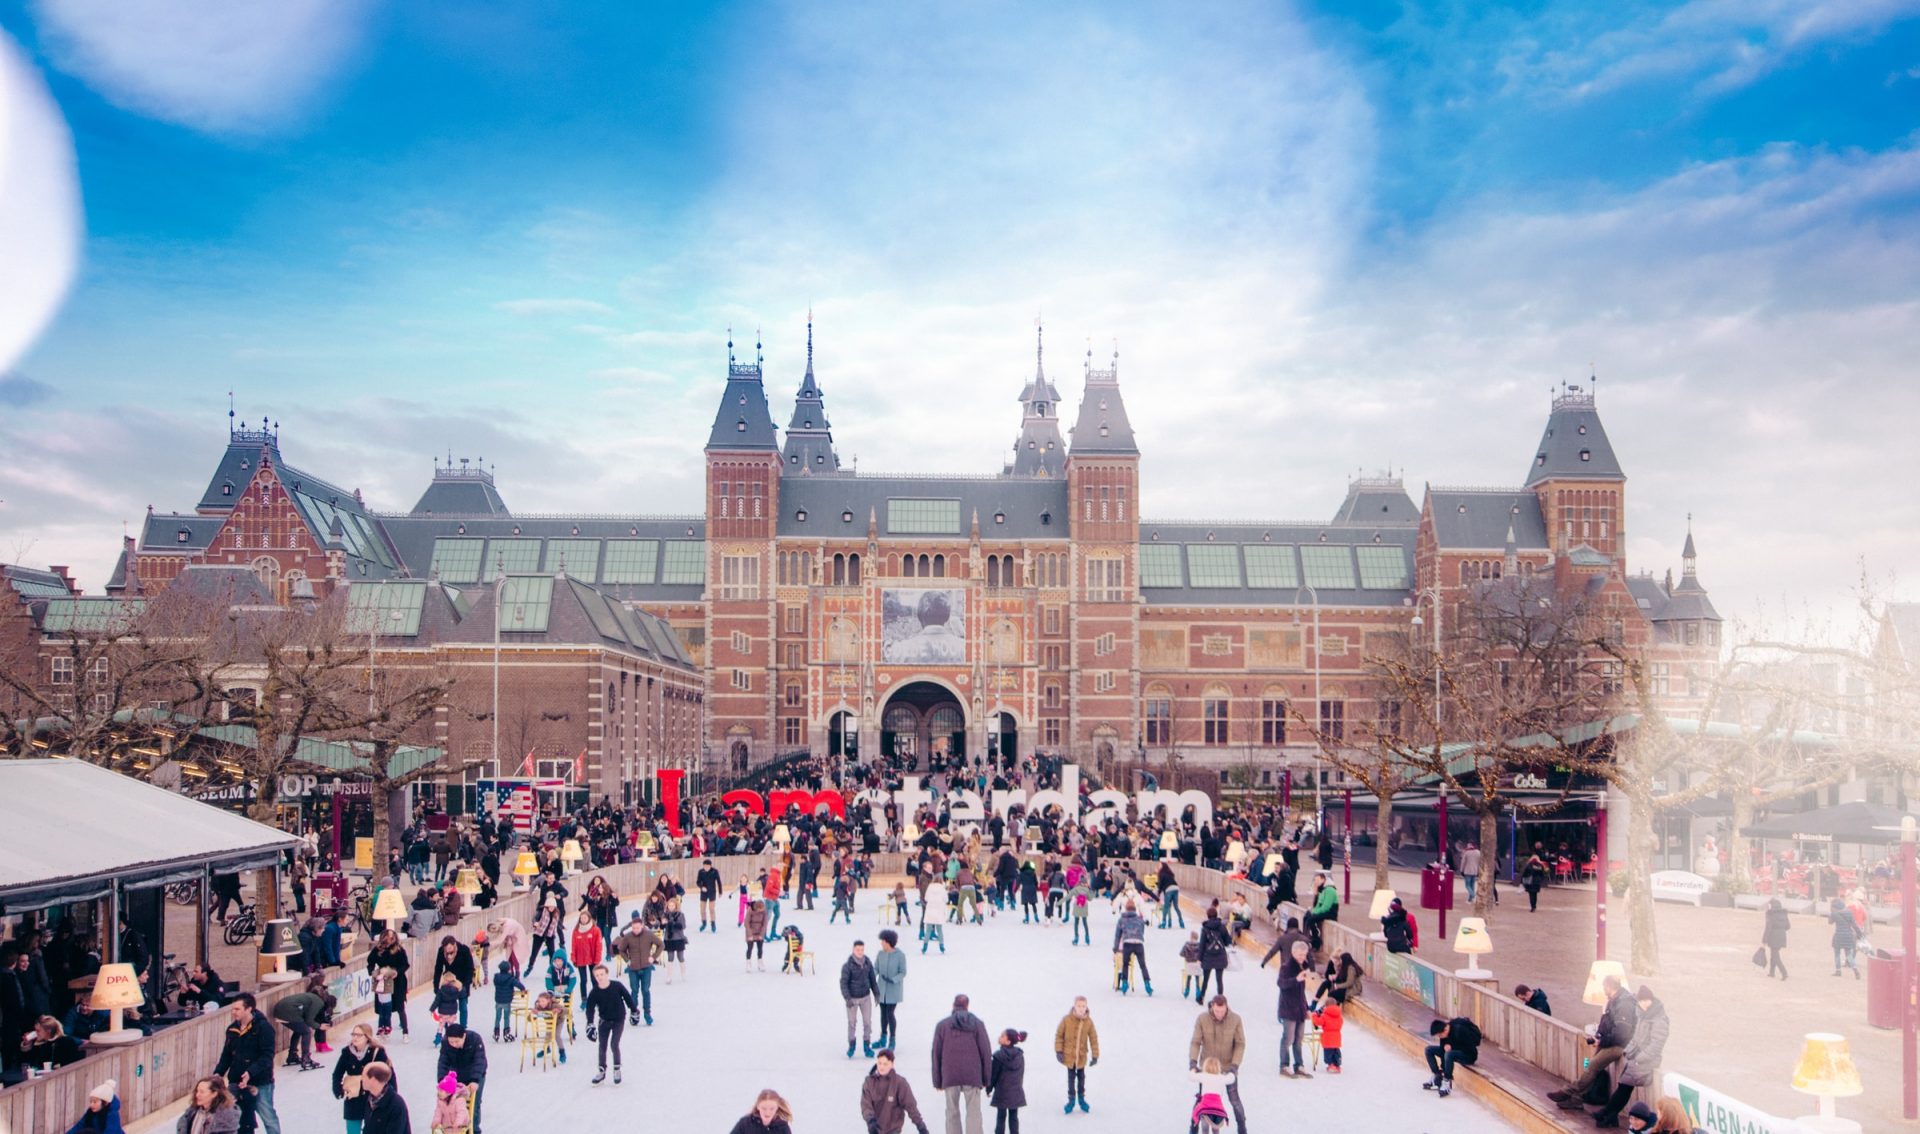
(1534, 998)
(299, 1014)
(14, 1021)
(962, 1064)
(1455, 1042)
(386, 1110)
(466, 1058)
(856, 988)
(886, 1101)
(246, 1060)
(1609, 1042)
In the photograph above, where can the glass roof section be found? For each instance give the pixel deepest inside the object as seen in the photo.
(1271, 566)
(1382, 568)
(1329, 567)
(457, 560)
(390, 609)
(923, 517)
(1159, 565)
(1213, 565)
(631, 561)
(686, 560)
(580, 558)
(526, 601)
(514, 556)
(91, 615)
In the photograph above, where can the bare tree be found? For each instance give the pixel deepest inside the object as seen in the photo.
(1384, 760)
(1519, 690)
(403, 695)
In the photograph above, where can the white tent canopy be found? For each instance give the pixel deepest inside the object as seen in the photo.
(72, 830)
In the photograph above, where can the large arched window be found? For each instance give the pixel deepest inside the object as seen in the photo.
(1214, 715)
(1157, 714)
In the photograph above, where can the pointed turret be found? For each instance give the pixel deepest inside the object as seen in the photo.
(1039, 451)
(1103, 427)
(809, 447)
(1688, 601)
(1511, 564)
(743, 422)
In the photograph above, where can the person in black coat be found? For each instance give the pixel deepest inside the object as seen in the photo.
(464, 1057)
(246, 1061)
(1215, 943)
(1534, 998)
(453, 957)
(360, 1052)
(1774, 937)
(1007, 1082)
(386, 1110)
(610, 1008)
(1394, 925)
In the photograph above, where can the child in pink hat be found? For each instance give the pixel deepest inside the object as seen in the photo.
(450, 1112)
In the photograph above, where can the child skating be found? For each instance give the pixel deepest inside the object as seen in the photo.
(1076, 1044)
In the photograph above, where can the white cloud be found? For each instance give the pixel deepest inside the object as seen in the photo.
(217, 66)
(553, 307)
(39, 206)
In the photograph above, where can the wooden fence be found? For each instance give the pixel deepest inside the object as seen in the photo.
(1554, 1046)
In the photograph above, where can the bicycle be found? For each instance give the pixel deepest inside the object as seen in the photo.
(242, 925)
(183, 893)
(176, 978)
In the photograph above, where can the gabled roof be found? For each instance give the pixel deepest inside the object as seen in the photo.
(1008, 507)
(1574, 447)
(226, 583)
(1477, 519)
(1377, 500)
(237, 465)
(1102, 427)
(32, 583)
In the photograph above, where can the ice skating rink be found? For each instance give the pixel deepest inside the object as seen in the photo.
(724, 1033)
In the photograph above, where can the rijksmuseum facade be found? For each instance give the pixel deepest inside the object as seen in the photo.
(1034, 609)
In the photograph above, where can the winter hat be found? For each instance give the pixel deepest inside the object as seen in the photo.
(1643, 1112)
(105, 1092)
(635, 917)
(450, 1085)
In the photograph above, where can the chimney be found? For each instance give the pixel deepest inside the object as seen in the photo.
(65, 577)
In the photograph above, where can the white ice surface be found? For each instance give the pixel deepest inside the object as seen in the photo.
(723, 1034)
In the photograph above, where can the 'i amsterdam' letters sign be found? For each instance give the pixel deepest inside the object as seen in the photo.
(962, 807)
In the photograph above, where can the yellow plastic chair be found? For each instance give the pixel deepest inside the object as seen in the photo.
(539, 1041)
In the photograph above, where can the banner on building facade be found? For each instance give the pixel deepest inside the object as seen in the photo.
(923, 627)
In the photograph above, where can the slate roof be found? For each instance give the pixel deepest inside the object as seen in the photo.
(576, 613)
(176, 532)
(461, 492)
(1377, 500)
(237, 466)
(322, 505)
(1575, 446)
(1102, 427)
(809, 447)
(1686, 602)
(1023, 501)
(743, 421)
(227, 583)
(1285, 570)
(1477, 519)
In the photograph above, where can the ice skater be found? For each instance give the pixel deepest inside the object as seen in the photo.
(935, 906)
(1076, 1044)
(1007, 1085)
(1130, 944)
(610, 1008)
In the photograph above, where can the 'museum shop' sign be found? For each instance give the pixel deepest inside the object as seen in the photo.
(963, 807)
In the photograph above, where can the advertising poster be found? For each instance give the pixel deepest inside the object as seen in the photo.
(923, 626)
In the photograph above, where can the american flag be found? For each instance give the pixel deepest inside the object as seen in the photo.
(517, 801)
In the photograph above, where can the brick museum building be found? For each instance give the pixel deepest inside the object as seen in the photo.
(1029, 609)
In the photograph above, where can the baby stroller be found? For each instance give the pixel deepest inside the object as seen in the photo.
(1210, 1114)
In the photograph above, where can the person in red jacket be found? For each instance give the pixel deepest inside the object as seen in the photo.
(1329, 1019)
(585, 949)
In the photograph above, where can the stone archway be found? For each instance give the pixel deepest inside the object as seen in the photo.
(922, 719)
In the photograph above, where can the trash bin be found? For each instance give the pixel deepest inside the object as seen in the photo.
(1884, 994)
(1436, 888)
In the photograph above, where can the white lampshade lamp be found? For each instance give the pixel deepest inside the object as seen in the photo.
(1382, 904)
(391, 908)
(1471, 939)
(1596, 991)
(116, 988)
(571, 854)
(1826, 1071)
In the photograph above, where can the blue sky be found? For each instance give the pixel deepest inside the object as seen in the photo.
(1325, 239)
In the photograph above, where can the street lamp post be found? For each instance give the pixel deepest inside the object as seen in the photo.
(1599, 878)
(1909, 994)
(1433, 592)
(1313, 597)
